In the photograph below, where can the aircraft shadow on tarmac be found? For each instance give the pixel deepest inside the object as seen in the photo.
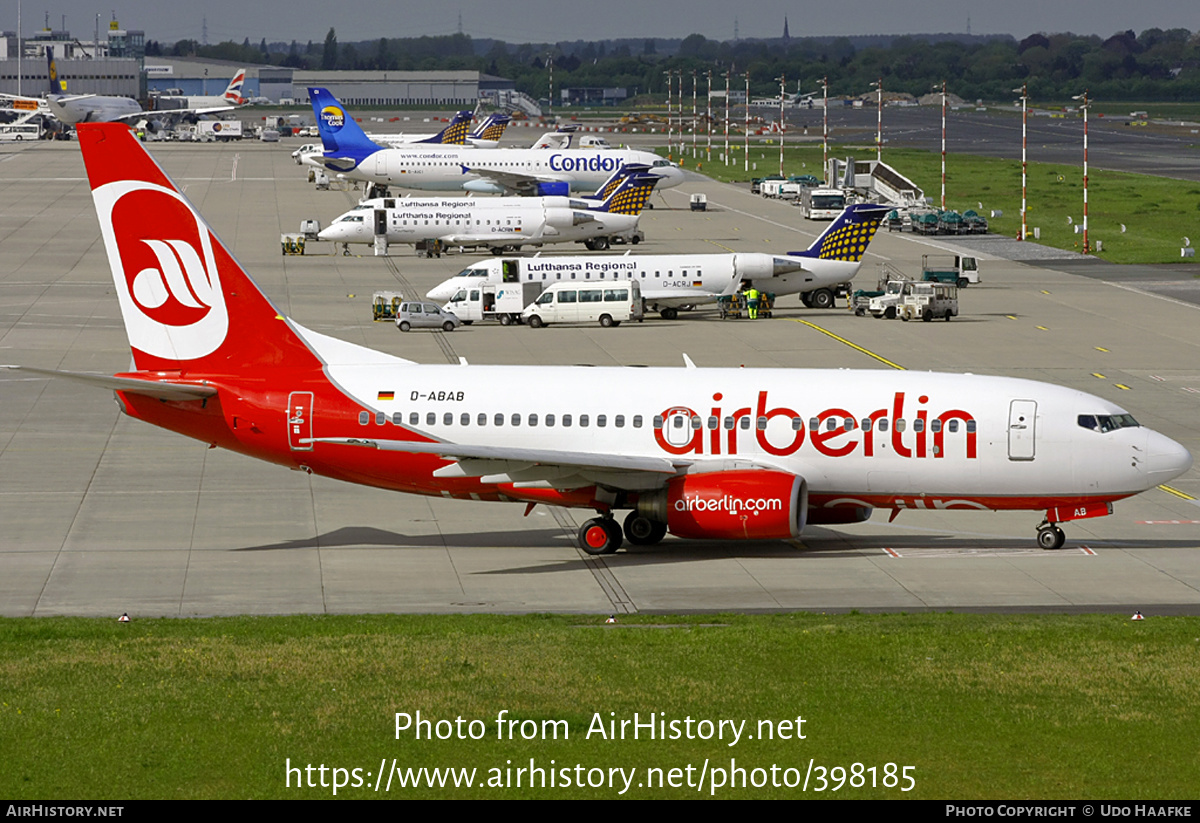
(816, 543)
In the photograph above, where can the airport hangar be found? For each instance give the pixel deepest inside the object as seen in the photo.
(103, 514)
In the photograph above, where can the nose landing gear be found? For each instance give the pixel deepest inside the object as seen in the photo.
(1050, 536)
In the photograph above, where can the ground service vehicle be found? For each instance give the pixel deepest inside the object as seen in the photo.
(950, 268)
(822, 204)
(608, 304)
(928, 300)
(483, 301)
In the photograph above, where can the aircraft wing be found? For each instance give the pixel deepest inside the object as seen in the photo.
(534, 467)
(512, 183)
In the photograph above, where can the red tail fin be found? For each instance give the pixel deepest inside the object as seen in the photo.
(187, 304)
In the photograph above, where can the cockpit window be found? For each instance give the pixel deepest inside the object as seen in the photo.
(350, 218)
(472, 273)
(1107, 422)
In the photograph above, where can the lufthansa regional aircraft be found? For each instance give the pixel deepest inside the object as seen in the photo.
(671, 281)
(733, 454)
(350, 153)
(500, 223)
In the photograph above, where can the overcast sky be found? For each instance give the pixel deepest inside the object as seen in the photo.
(550, 20)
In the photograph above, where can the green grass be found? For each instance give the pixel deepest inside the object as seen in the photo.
(1157, 212)
(981, 706)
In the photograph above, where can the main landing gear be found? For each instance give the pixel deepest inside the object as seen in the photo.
(602, 535)
(1050, 536)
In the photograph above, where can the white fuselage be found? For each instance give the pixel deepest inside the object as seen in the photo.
(92, 108)
(666, 279)
(498, 222)
(452, 168)
(917, 440)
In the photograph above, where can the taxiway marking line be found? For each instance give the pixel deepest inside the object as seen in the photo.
(854, 346)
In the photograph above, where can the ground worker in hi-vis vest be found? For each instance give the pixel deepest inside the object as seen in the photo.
(752, 297)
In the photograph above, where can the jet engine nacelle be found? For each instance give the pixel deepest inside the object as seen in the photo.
(749, 504)
(758, 266)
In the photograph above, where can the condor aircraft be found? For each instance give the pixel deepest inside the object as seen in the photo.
(671, 281)
(500, 223)
(350, 153)
(734, 454)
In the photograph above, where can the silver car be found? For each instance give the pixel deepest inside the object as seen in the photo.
(414, 315)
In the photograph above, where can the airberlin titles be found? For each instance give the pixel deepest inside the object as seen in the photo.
(847, 435)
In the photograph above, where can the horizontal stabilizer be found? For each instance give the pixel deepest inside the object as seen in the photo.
(136, 385)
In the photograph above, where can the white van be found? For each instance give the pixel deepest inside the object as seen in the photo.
(605, 303)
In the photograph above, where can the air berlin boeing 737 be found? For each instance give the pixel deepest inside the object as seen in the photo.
(700, 453)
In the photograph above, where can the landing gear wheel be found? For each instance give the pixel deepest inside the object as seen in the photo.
(669, 314)
(820, 299)
(600, 535)
(1051, 537)
(806, 299)
(642, 531)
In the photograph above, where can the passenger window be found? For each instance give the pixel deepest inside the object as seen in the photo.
(970, 427)
(712, 422)
(364, 418)
(464, 419)
(952, 425)
(397, 418)
(566, 420)
(900, 425)
(601, 420)
(762, 424)
(637, 421)
(515, 420)
(797, 423)
(533, 419)
(550, 420)
(498, 419)
(583, 420)
(413, 418)
(448, 419)
(813, 424)
(380, 418)
(430, 418)
(729, 422)
(619, 421)
(658, 421)
(883, 424)
(918, 425)
(866, 424)
(935, 426)
(481, 419)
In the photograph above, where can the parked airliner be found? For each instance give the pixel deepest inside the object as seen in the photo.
(671, 281)
(733, 454)
(499, 223)
(350, 153)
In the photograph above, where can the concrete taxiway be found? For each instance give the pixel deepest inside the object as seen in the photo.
(100, 514)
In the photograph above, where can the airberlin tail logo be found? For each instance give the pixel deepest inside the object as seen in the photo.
(163, 266)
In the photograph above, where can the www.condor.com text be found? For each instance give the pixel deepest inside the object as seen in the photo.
(709, 777)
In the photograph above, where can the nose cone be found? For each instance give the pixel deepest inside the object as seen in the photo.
(1165, 459)
(336, 232)
(441, 292)
(671, 176)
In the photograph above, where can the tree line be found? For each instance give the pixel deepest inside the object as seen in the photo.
(1156, 65)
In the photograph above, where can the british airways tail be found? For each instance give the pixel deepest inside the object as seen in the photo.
(454, 134)
(340, 135)
(848, 236)
(233, 92)
(630, 195)
(188, 306)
